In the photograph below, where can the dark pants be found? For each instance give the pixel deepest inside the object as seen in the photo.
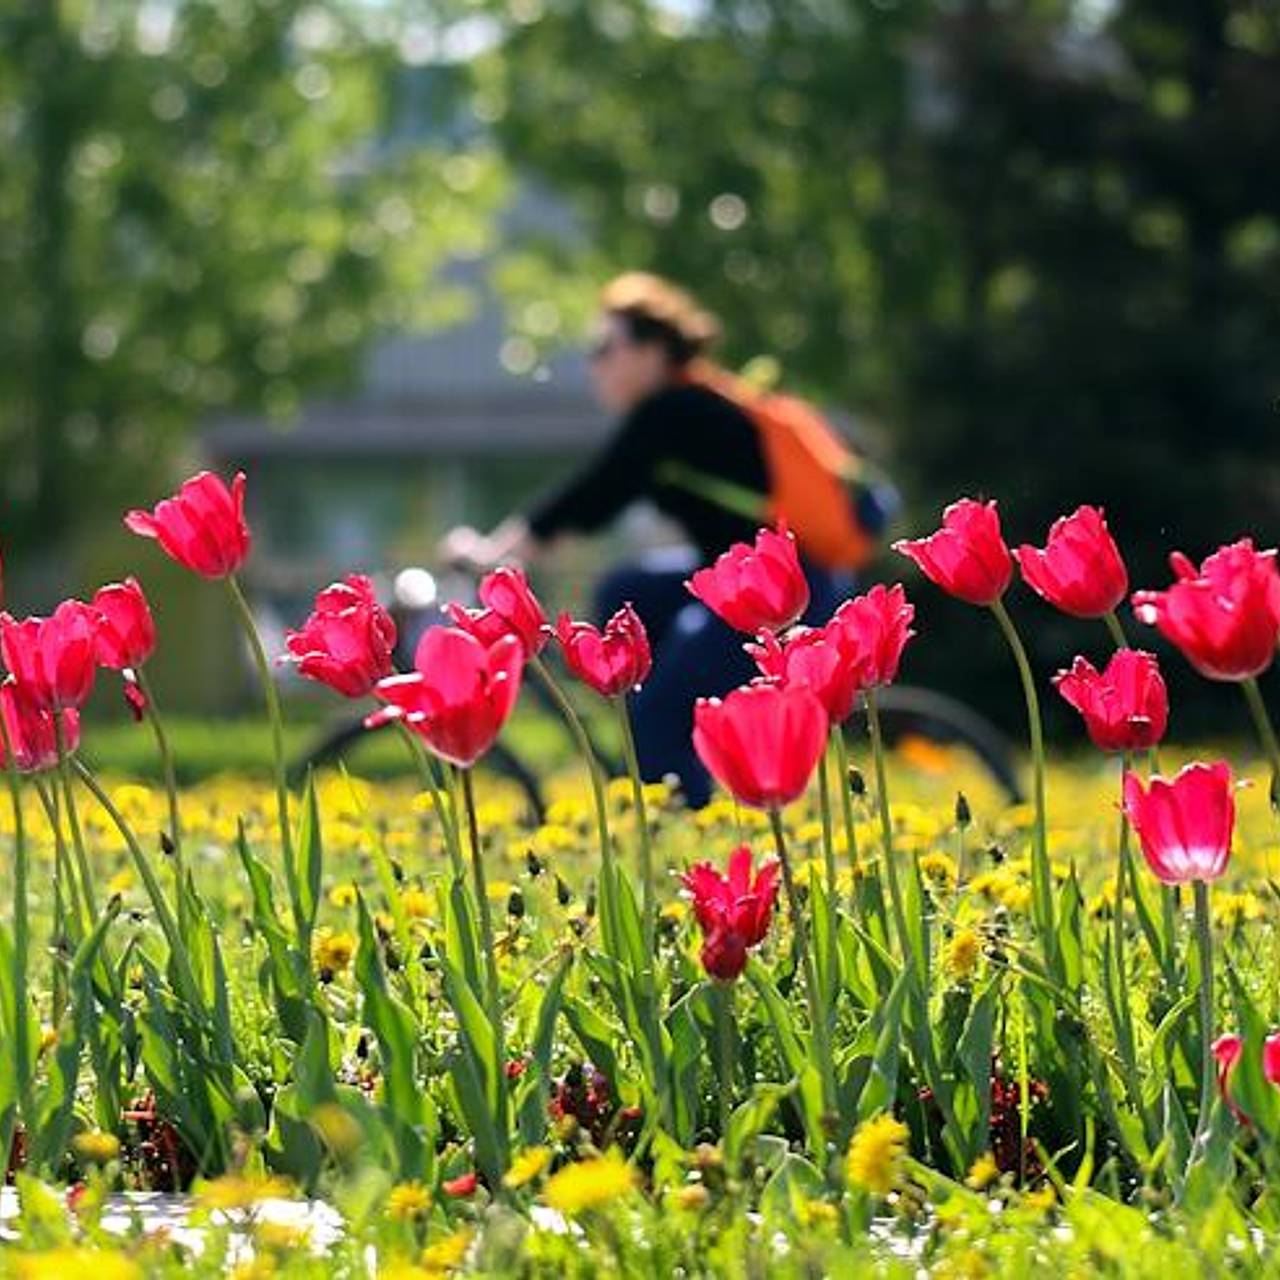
(695, 655)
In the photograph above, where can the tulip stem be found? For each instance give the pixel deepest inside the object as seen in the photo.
(650, 904)
(1125, 1036)
(272, 697)
(724, 1008)
(1042, 880)
(886, 825)
(171, 787)
(829, 859)
(88, 899)
(443, 805)
(168, 926)
(494, 994)
(1266, 733)
(800, 938)
(1116, 630)
(846, 806)
(1204, 945)
(21, 931)
(574, 721)
(66, 915)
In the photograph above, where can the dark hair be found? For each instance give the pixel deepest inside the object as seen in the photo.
(655, 310)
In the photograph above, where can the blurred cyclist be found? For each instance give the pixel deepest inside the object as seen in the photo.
(720, 460)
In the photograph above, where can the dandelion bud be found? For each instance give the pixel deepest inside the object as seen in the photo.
(857, 783)
(963, 814)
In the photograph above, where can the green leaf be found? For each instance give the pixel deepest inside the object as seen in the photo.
(309, 855)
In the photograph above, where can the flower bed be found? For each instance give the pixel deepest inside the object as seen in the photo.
(850, 1012)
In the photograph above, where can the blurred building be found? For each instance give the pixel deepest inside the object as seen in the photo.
(440, 431)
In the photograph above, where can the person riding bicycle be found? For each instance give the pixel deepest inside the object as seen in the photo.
(720, 460)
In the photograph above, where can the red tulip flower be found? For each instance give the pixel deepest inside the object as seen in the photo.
(818, 658)
(202, 526)
(762, 742)
(755, 588)
(127, 633)
(733, 911)
(459, 697)
(1125, 707)
(54, 659)
(1227, 1051)
(1079, 570)
(876, 627)
(509, 608)
(30, 730)
(967, 557)
(612, 662)
(348, 640)
(1224, 616)
(1185, 824)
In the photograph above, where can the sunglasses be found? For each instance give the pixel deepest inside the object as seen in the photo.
(602, 348)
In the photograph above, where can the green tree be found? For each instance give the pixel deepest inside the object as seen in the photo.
(207, 205)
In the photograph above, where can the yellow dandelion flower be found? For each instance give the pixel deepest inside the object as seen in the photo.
(71, 1260)
(95, 1146)
(876, 1153)
(939, 870)
(553, 838)
(527, 1166)
(990, 884)
(674, 911)
(281, 1237)
(333, 951)
(809, 833)
(241, 1191)
(963, 953)
(657, 795)
(1016, 897)
(449, 1253)
(498, 890)
(121, 882)
(983, 1172)
(816, 1214)
(418, 904)
(1231, 910)
(586, 1184)
(407, 1201)
(343, 896)
(1041, 1200)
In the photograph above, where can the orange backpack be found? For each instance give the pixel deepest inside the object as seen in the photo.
(816, 481)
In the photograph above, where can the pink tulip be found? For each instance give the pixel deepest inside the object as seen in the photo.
(1080, 570)
(762, 742)
(459, 697)
(967, 556)
(202, 526)
(1184, 825)
(755, 588)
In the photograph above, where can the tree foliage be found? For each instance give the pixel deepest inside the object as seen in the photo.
(207, 205)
